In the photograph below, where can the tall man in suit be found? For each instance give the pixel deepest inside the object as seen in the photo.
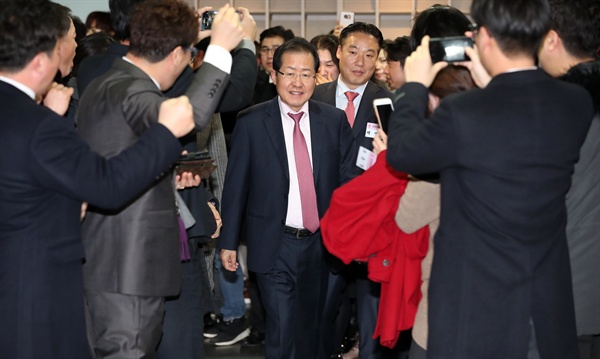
(46, 171)
(500, 283)
(146, 234)
(287, 157)
(354, 93)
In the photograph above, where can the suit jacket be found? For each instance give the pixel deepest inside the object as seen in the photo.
(113, 112)
(326, 93)
(257, 177)
(506, 154)
(46, 171)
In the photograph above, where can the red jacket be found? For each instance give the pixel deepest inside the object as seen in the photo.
(359, 225)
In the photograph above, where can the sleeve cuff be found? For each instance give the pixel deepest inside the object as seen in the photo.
(219, 57)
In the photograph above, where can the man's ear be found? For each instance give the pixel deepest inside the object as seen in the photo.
(273, 75)
(338, 52)
(176, 55)
(552, 41)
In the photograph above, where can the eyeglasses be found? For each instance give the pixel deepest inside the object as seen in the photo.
(291, 76)
(265, 50)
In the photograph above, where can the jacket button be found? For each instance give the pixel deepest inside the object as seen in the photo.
(386, 263)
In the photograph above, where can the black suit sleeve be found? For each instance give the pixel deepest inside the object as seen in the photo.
(240, 90)
(68, 165)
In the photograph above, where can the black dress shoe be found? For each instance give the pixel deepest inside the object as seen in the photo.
(255, 338)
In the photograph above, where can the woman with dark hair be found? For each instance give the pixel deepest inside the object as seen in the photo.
(329, 68)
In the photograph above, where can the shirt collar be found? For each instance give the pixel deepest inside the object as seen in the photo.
(342, 88)
(28, 91)
(284, 109)
(151, 78)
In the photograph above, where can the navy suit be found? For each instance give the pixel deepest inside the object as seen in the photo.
(46, 171)
(367, 292)
(506, 155)
(256, 192)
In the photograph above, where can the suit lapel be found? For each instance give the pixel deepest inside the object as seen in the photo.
(317, 136)
(274, 129)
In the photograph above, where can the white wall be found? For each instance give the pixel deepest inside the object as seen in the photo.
(82, 8)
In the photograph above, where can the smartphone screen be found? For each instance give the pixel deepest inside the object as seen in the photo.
(383, 114)
(450, 49)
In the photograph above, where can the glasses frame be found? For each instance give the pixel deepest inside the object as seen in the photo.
(291, 76)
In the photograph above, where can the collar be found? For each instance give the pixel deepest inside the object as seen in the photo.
(342, 88)
(520, 69)
(28, 91)
(284, 109)
(151, 78)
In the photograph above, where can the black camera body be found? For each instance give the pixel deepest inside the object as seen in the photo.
(207, 19)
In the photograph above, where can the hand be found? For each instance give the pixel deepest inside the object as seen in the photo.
(217, 219)
(479, 74)
(177, 115)
(248, 24)
(202, 34)
(84, 207)
(323, 79)
(57, 98)
(337, 30)
(418, 66)
(229, 259)
(380, 142)
(187, 180)
(227, 31)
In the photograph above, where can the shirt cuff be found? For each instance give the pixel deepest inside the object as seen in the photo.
(218, 57)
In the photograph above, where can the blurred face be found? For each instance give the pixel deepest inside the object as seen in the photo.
(327, 68)
(380, 65)
(267, 49)
(394, 75)
(294, 89)
(357, 55)
(66, 50)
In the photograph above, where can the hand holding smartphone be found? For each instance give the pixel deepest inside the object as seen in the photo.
(198, 163)
(383, 111)
(346, 18)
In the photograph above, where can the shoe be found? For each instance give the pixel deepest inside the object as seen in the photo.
(212, 323)
(255, 338)
(231, 332)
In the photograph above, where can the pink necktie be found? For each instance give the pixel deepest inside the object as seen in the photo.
(308, 197)
(350, 107)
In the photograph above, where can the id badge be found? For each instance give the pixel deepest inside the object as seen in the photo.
(372, 129)
(365, 158)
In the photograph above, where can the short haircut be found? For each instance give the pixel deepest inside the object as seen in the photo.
(578, 25)
(329, 43)
(26, 29)
(65, 19)
(398, 49)
(120, 12)
(92, 44)
(297, 45)
(518, 26)
(280, 31)
(100, 20)
(159, 26)
(365, 28)
(451, 80)
(438, 21)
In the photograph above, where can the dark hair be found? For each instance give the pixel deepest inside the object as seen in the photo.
(329, 43)
(280, 31)
(80, 29)
(26, 29)
(451, 80)
(120, 12)
(92, 44)
(518, 26)
(65, 19)
(578, 25)
(159, 26)
(365, 28)
(438, 21)
(100, 20)
(398, 50)
(296, 44)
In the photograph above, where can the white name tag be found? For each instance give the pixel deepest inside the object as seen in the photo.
(372, 129)
(365, 158)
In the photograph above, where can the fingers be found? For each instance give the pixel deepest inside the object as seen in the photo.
(177, 115)
(229, 259)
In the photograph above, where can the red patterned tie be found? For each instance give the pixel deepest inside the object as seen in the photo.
(350, 107)
(308, 197)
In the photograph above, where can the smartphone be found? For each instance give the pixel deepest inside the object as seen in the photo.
(346, 18)
(207, 19)
(450, 49)
(198, 163)
(383, 111)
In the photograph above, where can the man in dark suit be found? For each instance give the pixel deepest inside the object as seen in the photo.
(359, 47)
(500, 282)
(46, 171)
(287, 157)
(146, 234)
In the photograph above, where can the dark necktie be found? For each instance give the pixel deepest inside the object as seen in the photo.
(350, 107)
(308, 197)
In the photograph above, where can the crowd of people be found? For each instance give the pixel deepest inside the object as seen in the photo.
(472, 225)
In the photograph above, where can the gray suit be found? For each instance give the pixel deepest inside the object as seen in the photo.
(135, 250)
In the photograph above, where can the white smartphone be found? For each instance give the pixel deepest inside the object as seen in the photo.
(346, 18)
(383, 110)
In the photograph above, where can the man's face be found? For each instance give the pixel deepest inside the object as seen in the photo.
(267, 49)
(357, 55)
(66, 49)
(326, 65)
(295, 91)
(394, 74)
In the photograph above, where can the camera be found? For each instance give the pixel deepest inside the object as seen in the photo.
(450, 49)
(207, 19)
